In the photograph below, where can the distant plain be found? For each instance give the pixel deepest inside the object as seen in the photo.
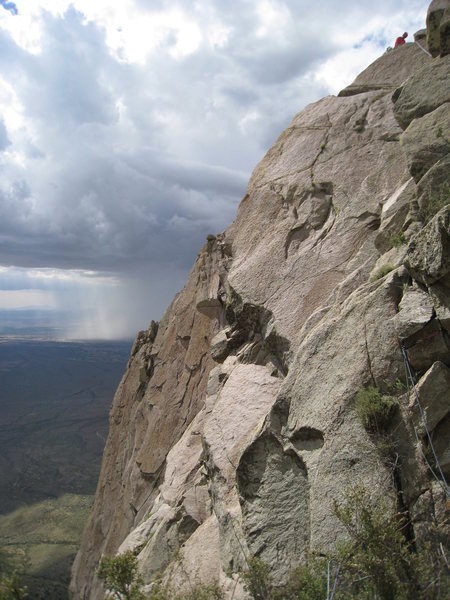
(55, 398)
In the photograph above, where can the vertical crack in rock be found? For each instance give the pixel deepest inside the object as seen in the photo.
(369, 360)
(322, 149)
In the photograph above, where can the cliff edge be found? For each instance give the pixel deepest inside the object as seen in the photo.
(234, 427)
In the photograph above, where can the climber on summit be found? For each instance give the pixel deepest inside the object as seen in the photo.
(400, 40)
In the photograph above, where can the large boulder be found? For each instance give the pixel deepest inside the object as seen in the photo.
(444, 31)
(435, 17)
(433, 392)
(440, 294)
(428, 255)
(433, 188)
(422, 93)
(416, 309)
(425, 140)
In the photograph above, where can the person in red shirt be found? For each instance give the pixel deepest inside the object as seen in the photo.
(400, 40)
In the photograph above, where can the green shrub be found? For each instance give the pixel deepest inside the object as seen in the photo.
(379, 562)
(306, 582)
(374, 409)
(395, 388)
(398, 239)
(433, 203)
(381, 272)
(10, 588)
(203, 592)
(399, 386)
(257, 579)
(120, 577)
(210, 591)
(158, 592)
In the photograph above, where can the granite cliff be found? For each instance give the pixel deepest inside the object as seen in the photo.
(234, 427)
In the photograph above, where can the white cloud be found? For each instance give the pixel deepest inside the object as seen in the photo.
(129, 129)
(274, 18)
(336, 72)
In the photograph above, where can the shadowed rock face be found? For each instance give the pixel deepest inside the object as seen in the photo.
(234, 428)
(438, 27)
(274, 499)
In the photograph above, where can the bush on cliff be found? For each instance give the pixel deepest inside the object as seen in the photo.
(433, 202)
(196, 592)
(374, 409)
(120, 577)
(381, 272)
(379, 561)
(376, 562)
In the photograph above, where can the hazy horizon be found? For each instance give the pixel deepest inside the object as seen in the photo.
(45, 324)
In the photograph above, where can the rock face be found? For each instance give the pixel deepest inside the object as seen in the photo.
(438, 27)
(234, 427)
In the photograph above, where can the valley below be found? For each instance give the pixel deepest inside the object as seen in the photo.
(54, 403)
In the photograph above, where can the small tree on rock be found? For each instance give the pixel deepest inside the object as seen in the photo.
(120, 577)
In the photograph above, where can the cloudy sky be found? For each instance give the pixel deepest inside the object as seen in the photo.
(129, 129)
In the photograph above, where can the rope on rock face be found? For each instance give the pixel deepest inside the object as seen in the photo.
(419, 443)
(443, 481)
(328, 580)
(335, 582)
(422, 48)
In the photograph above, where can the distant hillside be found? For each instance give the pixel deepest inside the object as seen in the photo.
(41, 540)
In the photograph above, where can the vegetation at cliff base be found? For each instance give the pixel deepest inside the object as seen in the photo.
(211, 591)
(305, 582)
(376, 562)
(257, 579)
(122, 581)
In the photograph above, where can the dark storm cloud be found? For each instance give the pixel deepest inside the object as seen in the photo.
(124, 167)
(89, 200)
